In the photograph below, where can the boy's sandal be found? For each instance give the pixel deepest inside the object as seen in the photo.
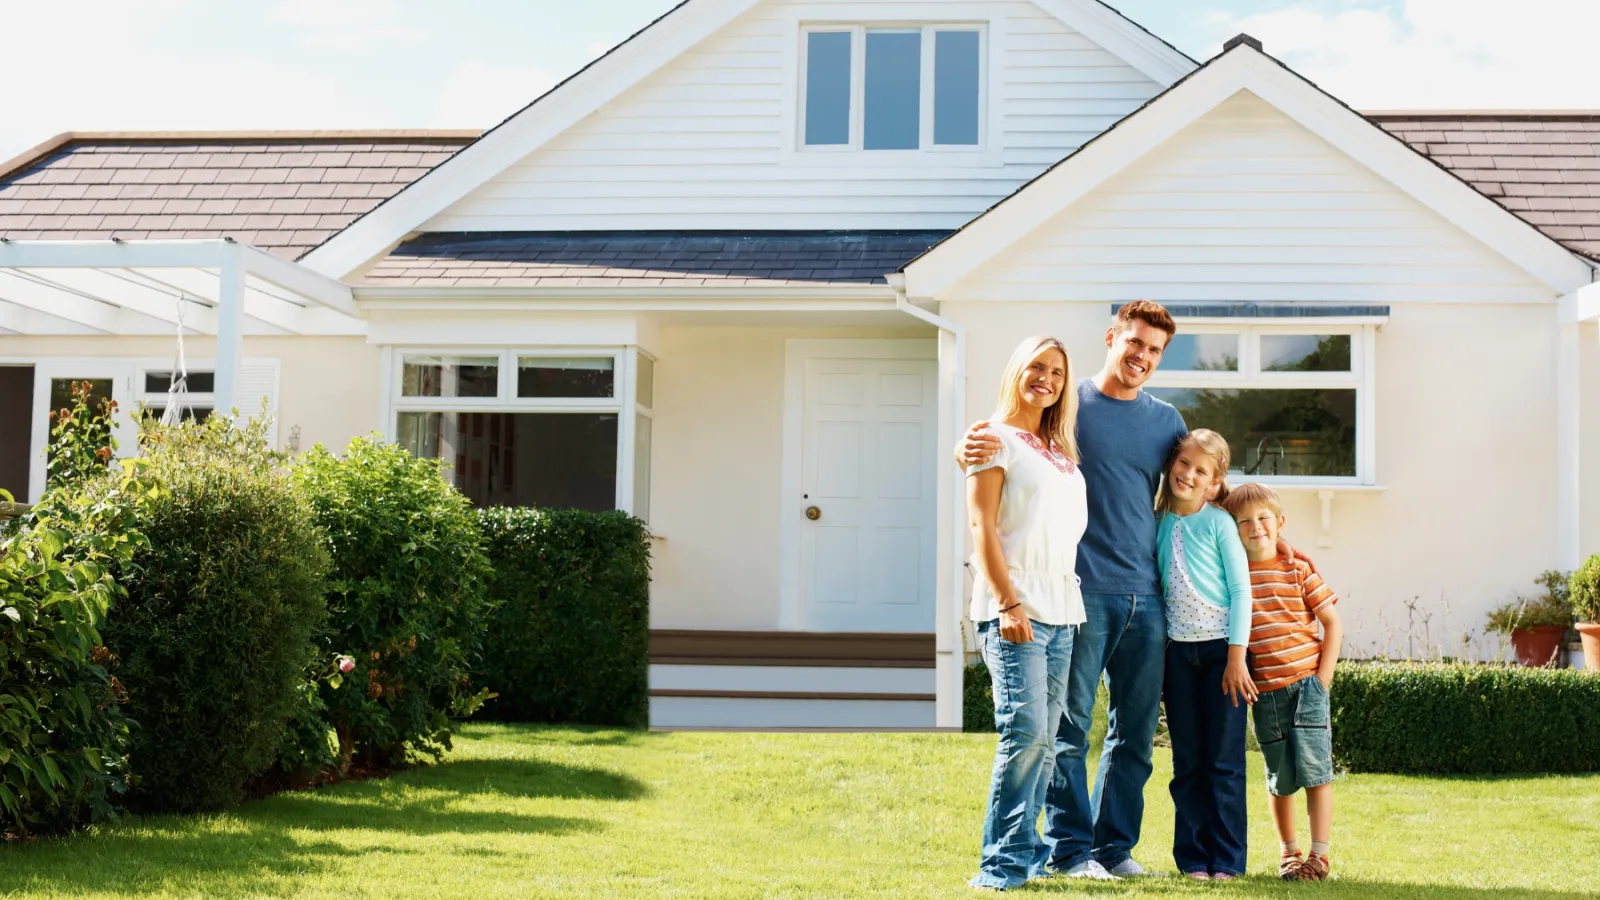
(1289, 866)
(1315, 868)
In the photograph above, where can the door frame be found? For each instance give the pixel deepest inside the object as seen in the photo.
(121, 371)
(791, 593)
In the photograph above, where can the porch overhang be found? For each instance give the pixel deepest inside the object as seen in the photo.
(201, 287)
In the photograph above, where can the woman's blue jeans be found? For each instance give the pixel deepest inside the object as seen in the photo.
(1030, 691)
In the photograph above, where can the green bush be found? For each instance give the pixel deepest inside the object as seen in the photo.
(570, 638)
(1584, 590)
(222, 603)
(977, 700)
(405, 600)
(62, 733)
(1439, 719)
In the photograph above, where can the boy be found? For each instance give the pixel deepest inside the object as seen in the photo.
(1293, 669)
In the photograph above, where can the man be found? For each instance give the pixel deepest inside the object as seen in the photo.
(1125, 437)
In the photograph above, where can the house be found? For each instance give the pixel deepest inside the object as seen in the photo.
(750, 274)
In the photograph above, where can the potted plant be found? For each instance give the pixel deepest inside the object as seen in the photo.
(1584, 590)
(1536, 625)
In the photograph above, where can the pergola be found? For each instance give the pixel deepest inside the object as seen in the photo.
(205, 287)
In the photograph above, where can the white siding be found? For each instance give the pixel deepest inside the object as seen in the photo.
(1246, 204)
(699, 144)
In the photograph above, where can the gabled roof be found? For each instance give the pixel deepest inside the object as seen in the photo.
(649, 258)
(627, 64)
(1242, 66)
(1542, 165)
(284, 192)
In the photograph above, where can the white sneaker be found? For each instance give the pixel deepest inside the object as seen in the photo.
(1090, 869)
(1130, 869)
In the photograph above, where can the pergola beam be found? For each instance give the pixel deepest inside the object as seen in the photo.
(16, 319)
(75, 307)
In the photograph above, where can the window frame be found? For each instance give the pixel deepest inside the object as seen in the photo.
(979, 152)
(622, 403)
(1361, 378)
(147, 399)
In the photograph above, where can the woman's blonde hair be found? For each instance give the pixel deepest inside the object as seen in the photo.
(1060, 420)
(1211, 444)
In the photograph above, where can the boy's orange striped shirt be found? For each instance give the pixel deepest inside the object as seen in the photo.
(1285, 645)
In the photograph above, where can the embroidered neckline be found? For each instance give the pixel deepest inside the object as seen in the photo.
(1056, 458)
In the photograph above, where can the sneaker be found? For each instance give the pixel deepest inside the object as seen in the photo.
(1289, 866)
(1090, 869)
(1130, 869)
(1315, 868)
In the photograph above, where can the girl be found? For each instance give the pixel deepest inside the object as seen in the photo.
(1206, 579)
(1027, 509)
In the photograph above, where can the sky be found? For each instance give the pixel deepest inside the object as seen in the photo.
(101, 65)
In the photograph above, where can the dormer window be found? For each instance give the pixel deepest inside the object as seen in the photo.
(892, 88)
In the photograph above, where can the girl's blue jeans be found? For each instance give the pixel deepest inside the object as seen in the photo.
(1030, 692)
(1208, 783)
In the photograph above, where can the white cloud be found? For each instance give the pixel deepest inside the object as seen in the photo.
(1440, 54)
(352, 26)
(480, 95)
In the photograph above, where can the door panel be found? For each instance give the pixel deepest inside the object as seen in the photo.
(868, 469)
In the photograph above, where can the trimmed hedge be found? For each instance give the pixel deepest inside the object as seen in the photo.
(569, 640)
(1438, 719)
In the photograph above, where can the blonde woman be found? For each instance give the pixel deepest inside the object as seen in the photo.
(1028, 510)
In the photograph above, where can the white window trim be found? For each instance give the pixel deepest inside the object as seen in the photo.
(986, 153)
(1361, 378)
(622, 403)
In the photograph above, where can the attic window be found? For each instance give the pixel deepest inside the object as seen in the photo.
(892, 88)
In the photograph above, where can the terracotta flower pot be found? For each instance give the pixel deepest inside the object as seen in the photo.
(1537, 646)
(1590, 632)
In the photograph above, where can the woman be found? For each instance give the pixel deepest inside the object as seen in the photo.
(1027, 509)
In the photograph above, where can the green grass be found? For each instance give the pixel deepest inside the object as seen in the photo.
(561, 812)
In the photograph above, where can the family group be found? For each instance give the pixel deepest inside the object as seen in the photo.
(1109, 545)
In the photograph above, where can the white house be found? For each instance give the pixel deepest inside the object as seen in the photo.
(749, 275)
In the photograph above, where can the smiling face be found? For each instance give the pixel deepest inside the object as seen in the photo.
(1133, 353)
(1194, 477)
(1043, 379)
(1259, 528)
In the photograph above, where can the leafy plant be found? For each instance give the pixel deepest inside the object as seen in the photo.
(569, 640)
(1584, 590)
(405, 600)
(62, 732)
(1553, 607)
(222, 604)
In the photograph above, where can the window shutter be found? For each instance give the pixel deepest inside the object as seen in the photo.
(258, 380)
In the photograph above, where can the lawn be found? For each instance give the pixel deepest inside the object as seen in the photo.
(562, 812)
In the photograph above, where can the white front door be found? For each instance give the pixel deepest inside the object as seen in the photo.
(867, 552)
(52, 389)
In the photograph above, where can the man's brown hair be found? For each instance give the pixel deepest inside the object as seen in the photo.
(1149, 312)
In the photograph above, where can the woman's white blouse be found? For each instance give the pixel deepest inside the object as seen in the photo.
(1043, 512)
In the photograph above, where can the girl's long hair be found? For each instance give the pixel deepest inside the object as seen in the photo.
(1211, 444)
(1060, 420)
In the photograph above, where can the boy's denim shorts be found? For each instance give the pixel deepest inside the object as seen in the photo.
(1293, 730)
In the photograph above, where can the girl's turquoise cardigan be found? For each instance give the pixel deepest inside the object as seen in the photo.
(1217, 566)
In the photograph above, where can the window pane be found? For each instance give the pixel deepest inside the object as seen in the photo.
(450, 376)
(196, 382)
(828, 87)
(553, 460)
(1201, 353)
(546, 377)
(641, 466)
(189, 414)
(894, 90)
(647, 381)
(1305, 353)
(955, 88)
(1273, 432)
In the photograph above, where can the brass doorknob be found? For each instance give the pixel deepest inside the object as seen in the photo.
(813, 513)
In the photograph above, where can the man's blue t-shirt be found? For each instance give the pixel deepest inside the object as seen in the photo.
(1124, 445)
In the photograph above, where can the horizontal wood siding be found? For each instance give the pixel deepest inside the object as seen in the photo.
(697, 145)
(792, 648)
(1246, 204)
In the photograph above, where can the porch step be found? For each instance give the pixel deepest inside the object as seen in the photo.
(755, 711)
(910, 650)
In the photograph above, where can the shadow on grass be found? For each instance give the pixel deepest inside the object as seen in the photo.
(264, 847)
(1264, 886)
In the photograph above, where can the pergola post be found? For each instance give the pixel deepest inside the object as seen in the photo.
(1573, 310)
(230, 332)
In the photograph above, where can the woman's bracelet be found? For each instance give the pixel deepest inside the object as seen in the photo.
(1011, 607)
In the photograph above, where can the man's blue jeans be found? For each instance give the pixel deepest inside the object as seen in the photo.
(1125, 639)
(1030, 690)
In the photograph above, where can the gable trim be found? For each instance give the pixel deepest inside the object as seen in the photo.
(1243, 68)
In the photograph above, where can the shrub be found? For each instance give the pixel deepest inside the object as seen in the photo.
(570, 638)
(405, 599)
(1552, 607)
(977, 700)
(1440, 719)
(62, 733)
(222, 604)
(1584, 590)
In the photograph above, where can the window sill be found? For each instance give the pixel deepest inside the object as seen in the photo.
(1326, 491)
(886, 159)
